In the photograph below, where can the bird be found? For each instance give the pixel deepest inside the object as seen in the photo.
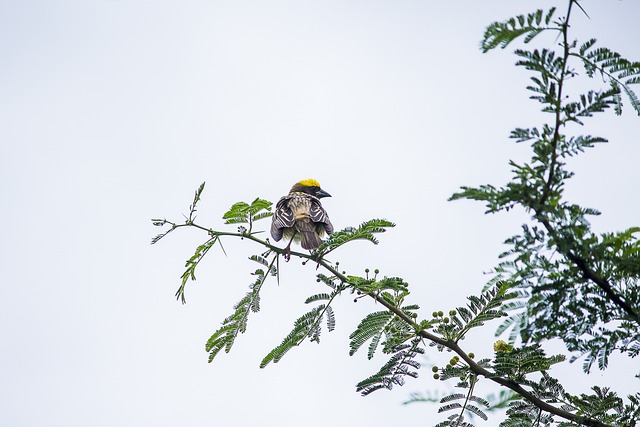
(300, 216)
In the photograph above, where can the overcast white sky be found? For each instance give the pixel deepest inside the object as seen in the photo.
(113, 112)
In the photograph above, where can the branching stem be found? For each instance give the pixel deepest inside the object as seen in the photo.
(474, 367)
(558, 120)
(592, 275)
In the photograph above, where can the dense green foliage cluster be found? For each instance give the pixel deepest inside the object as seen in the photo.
(558, 279)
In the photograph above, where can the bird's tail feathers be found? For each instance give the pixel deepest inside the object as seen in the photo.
(309, 240)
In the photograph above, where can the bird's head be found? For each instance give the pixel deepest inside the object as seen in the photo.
(309, 186)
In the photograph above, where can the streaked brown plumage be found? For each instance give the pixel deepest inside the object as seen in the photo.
(300, 216)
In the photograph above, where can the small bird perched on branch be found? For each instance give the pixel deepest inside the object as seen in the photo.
(300, 216)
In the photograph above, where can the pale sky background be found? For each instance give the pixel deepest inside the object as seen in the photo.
(113, 112)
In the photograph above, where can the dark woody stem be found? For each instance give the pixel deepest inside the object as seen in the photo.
(451, 345)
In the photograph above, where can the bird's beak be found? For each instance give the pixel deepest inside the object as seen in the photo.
(321, 193)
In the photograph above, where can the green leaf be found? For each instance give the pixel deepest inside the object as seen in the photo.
(238, 214)
(191, 264)
(243, 213)
(318, 297)
(478, 311)
(236, 324)
(519, 362)
(196, 199)
(309, 325)
(501, 34)
(305, 326)
(401, 365)
(371, 327)
(366, 231)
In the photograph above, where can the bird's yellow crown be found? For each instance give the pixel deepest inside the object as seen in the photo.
(309, 183)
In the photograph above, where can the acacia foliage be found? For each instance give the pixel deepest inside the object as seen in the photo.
(574, 284)
(557, 279)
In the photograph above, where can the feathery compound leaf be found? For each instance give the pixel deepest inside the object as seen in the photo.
(236, 324)
(196, 199)
(503, 33)
(522, 414)
(522, 135)
(501, 401)
(191, 264)
(262, 215)
(543, 61)
(578, 144)
(238, 214)
(259, 259)
(309, 325)
(262, 260)
(371, 286)
(157, 238)
(586, 46)
(198, 194)
(606, 406)
(476, 411)
(242, 212)
(479, 310)
(331, 318)
(479, 400)
(450, 406)
(371, 327)
(517, 322)
(365, 231)
(259, 205)
(400, 365)
(620, 72)
(305, 326)
(471, 409)
(318, 297)
(517, 363)
(591, 102)
(453, 396)
(454, 421)
(329, 281)
(421, 398)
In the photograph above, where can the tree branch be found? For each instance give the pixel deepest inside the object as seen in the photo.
(473, 366)
(590, 274)
(558, 121)
(451, 345)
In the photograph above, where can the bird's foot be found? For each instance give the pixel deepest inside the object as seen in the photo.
(287, 252)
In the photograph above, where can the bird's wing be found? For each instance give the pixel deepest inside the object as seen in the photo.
(282, 218)
(319, 215)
